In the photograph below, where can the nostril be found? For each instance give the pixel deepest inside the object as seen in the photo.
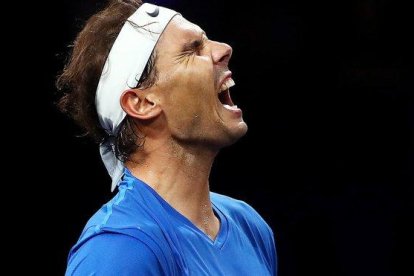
(224, 59)
(221, 53)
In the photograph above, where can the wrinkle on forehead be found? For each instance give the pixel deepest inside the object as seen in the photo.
(177, 33)
(186, 28)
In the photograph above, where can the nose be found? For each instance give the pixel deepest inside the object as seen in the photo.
(221, 53)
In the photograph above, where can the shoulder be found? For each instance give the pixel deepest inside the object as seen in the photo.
(113, 254)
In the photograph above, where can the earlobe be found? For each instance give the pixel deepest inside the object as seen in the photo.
(140, 104)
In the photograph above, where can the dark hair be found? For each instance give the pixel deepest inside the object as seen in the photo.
(81, 74)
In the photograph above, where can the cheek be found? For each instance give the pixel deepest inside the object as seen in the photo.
(195, 83)
(198, 70)
(189, 89)
(198, 76)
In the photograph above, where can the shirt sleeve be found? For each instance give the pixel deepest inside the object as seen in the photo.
(111, 254)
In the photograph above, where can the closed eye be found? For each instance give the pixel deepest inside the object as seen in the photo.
(194, 46)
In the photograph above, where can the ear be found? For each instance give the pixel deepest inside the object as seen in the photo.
(140, 104)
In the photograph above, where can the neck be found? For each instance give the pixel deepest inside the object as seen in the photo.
(180, 175)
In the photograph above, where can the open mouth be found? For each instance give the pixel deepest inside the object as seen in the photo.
(224, 94)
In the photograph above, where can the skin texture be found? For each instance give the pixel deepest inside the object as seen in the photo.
(184, 123)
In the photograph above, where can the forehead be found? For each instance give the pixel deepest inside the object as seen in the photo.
(180, 30)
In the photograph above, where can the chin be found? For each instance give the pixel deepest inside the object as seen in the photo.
(241, 129)
(236, 132)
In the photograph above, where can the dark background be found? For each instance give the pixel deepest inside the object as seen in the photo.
(327, 91)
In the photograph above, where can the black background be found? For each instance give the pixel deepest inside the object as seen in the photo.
(327, 91)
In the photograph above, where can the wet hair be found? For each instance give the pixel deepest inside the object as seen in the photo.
(81, 74)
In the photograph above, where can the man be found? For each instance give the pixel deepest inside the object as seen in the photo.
(154, 91)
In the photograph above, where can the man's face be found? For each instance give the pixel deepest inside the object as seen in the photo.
(193, 76)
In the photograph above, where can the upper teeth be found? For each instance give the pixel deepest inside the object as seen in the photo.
(227, 84)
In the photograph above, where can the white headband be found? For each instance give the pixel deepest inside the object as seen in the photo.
(123, 69)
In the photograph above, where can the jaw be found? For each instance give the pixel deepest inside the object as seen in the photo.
(231, 122)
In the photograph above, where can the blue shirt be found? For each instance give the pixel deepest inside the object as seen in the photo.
(139, 233)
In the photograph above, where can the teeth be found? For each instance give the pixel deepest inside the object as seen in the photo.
(227, 84)
(231, 107)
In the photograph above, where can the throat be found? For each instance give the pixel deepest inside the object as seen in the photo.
(181, 180)
(210, 224)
